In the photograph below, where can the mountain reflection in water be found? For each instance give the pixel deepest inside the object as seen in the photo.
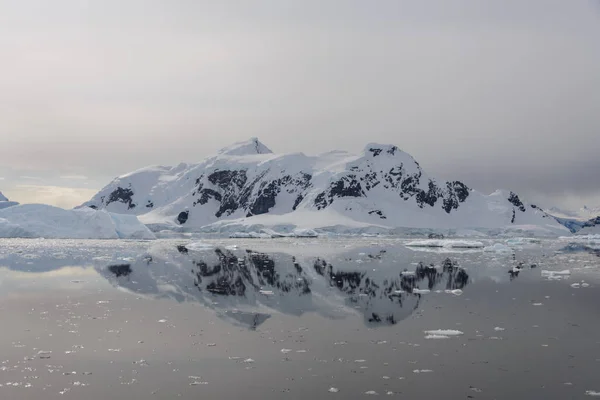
(241, 284)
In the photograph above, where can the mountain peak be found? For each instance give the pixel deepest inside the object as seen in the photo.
(249, 147)
(2, 197)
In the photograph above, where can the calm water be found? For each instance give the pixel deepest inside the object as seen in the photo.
(297, 318)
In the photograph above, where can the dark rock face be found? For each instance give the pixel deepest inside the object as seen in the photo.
(435, 236)
(347, 186)
(396, 179)
(234, 191)
(183, 217)
(122, 195)
(515, 201)
(120, 269)
(378, 212)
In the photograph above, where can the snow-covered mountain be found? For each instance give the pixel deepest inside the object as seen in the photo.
(246, 186)
(585, 213)
(5, 203)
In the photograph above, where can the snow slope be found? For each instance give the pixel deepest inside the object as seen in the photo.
(246, 187)
(37, 220)
(5, 203)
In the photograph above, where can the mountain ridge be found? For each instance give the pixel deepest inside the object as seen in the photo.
(246, 184)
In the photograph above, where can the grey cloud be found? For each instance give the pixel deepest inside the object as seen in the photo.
(478, 91)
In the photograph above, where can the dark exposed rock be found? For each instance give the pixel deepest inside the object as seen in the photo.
(378, 212)
(182, 249)
(120, 269)
(435, 236)
(515, 201)
(514, 214)
(183, 217)
(375, 152)
(225, 178)
(122, 195)
(149, 204)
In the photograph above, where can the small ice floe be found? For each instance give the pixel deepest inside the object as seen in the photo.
(301, 351)
(443, 332)
(474, 389)
(197, 383)
(114, 350)
(498, 248)
(211, 344)
(555, 274)
(285, 351)
(162, 321)
(266, 292)
(421, 291)
(407, 273)
(437, 337)
(248, 361)
(538, 304)
(585, 284)
(422, 371)
(498, 329)
(452, 244)
(371, 392)
(44, 355)
(333, 390)
(575, 285)
(456, 292)
(592, 393)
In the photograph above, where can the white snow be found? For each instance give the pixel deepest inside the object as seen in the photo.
(446, 243)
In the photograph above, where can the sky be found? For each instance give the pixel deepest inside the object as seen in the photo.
(497, 94)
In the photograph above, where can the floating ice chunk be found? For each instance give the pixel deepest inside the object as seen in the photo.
(445, 332)
(285, 351)
(162, 321)
(498, 248)
(443, 243)
(421, 291)
(266, 292)
(371, 392)
(437, 337)
(408, 273)
(592, 393)
(456, 292)
(333, 390)
(538, 304)
(498, 329)
(575, 285)
(422, 371)
(199, 246)
(555, 273)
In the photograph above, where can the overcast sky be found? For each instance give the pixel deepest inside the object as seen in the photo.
(498, 94)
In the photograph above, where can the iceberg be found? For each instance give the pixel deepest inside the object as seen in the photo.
(44, 221)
